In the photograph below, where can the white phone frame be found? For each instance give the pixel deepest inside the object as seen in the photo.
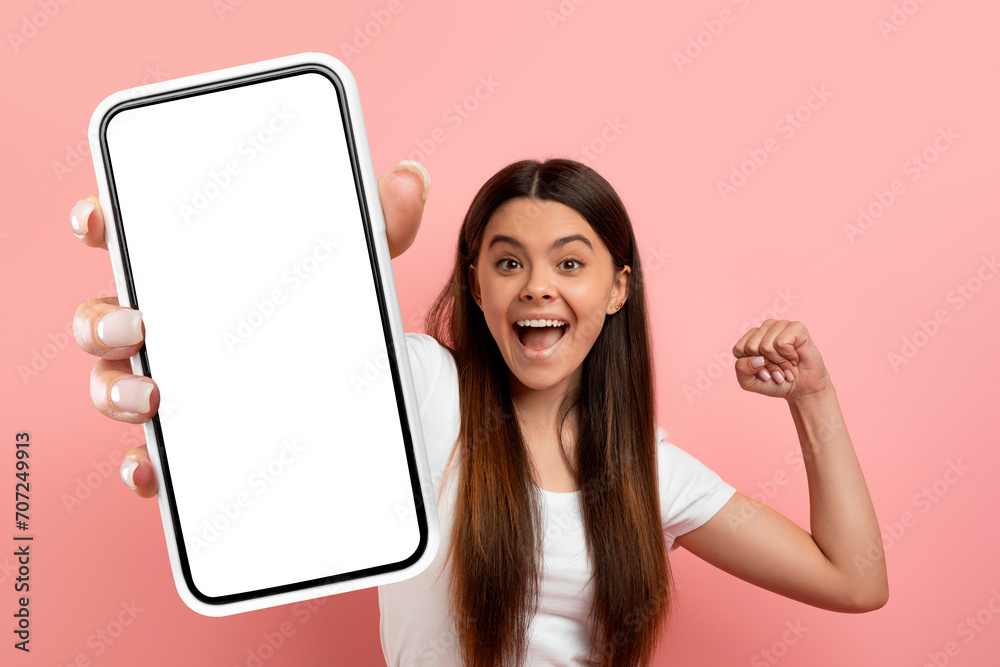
(419, 470)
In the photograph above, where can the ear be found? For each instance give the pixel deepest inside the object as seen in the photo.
(619, 294)
(474, 283)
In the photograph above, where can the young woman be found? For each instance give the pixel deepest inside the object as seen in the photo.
(559, 497)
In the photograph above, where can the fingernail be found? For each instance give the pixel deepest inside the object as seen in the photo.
(418, 169)
(789, 375)
(794, 363)
(128, 467)
(779, 376)
(79, 215)
(132, 395)
(120, 327)
(764, 375)
(756, 362)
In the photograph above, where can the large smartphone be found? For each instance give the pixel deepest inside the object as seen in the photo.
(244, 222)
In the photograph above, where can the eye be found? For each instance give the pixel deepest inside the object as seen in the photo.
(503, 265)
(500, 263)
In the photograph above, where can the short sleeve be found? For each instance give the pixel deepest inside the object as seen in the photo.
(690, 492)
(427, 363)
(435, 382)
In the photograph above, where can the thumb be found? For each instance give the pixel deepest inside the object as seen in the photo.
(748, 367)
(403, 192)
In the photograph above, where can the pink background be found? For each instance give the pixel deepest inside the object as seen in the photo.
(714, 269)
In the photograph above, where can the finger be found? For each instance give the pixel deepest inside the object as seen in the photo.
(87, 222)
(793, 337)
(120, 395)
(750, 366)
(105, 329)
(764, 370)
(739, 348)
(766, 345)
(779, 346)
(137, 472)
(403, 192)
(747, 345)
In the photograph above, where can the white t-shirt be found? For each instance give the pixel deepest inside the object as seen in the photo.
(416, 626)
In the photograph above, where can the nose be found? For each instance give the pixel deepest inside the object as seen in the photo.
(538, 286)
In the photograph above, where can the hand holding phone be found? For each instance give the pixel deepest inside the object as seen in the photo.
(303, 474)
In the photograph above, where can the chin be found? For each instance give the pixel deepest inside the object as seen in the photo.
(541, 378)
(538, 382)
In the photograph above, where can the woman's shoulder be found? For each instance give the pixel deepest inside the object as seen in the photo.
(435, 380)
(673, 461)
(433, 368)
(690, 491)
(428, 352)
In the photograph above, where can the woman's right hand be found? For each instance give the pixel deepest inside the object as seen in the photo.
(114, 333)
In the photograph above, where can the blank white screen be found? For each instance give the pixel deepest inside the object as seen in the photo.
(263, 333)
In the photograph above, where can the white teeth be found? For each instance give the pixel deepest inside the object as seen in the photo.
(541, 323)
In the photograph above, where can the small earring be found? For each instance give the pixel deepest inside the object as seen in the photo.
(618, 306)
(479, 302)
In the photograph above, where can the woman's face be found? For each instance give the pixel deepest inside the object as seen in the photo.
(541, 259)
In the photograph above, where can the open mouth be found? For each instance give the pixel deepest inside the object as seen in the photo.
(540, 335)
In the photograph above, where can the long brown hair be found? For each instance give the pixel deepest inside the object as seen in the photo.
(496, 537)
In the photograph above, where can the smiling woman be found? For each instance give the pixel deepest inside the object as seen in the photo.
(537, 373)
(551, 243)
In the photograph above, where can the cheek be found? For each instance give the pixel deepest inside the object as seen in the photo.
(496, 321)
(589, 312)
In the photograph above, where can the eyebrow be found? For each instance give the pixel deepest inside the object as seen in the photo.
(558, 243)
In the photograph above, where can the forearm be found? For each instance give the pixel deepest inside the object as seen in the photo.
(842, 517)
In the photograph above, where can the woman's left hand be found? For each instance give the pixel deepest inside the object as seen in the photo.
(792, 366)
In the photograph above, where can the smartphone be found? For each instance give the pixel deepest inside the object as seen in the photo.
(244, 222)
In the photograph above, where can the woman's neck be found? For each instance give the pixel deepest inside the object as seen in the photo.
(538, 409)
